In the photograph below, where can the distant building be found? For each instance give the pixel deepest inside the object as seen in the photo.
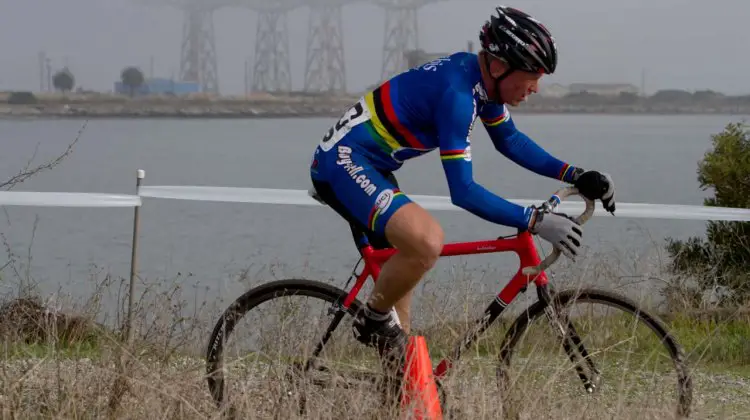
(159, 86)
(553, 90)
(605, 89)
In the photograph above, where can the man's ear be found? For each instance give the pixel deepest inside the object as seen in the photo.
(497, 67)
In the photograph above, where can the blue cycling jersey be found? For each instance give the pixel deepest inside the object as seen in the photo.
(434, 106)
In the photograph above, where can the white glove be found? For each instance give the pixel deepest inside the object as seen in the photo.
(559, 229)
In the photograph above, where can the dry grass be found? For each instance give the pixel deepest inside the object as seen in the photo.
(70, 363)
(47, 372)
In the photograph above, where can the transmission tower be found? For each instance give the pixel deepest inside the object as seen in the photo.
(271, 68)
(198, 61)
(401, 33)
(198, 57)
(325, 69)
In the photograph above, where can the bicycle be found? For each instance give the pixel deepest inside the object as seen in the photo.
(532, 269)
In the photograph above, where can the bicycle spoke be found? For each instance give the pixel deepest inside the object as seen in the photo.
(623, 343)
(303, 353)
(566, 335)
(339, 315)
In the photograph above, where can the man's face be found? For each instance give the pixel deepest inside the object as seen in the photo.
(515, 88)
(518, 86)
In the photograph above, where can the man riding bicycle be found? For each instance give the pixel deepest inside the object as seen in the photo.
(434, 106)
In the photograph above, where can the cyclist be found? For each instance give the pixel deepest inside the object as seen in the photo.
(434, 106)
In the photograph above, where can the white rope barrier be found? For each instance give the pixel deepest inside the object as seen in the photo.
(67, 199)
(301, 197)
(229, 194)
(440, 203)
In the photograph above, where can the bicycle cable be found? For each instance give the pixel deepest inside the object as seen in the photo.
(551, 274)
(354, 274)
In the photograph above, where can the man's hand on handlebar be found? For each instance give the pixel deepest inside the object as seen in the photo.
(596, 185)
(559, 229)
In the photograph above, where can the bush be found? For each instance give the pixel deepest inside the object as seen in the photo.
(721, 261)
(22, 98)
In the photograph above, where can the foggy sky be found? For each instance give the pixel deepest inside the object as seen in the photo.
(684, 44)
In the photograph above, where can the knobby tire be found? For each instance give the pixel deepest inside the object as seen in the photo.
(246, 303)
(563, 298)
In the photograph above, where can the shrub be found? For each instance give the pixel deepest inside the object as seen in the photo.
(22, 98)
(721, 261)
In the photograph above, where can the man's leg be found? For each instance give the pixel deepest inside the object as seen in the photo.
(419, 240)
(403, 309)
(350, 184)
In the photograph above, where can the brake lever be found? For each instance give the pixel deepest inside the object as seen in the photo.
(551, 205)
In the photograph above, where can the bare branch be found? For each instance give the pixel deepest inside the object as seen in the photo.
(27, 173)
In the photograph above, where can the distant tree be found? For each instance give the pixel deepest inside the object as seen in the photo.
(627, 98)
(739, 100)
(707, 95)
(132, 77)
(22, 98)
(585, 98)
(672, 95)
(64, 80)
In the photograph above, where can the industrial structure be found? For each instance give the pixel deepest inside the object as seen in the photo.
(198, 61)
(198, 55)
(401, 33)
(325, 69)
(271, 68)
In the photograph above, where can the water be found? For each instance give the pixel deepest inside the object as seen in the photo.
(651, 158)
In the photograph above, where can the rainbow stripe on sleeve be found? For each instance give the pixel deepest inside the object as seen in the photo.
(452, 154)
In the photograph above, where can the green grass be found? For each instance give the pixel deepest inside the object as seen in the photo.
(717, 346)
(712, 345)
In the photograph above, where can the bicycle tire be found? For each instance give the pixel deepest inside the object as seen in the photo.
(246, 303)
(562, 298)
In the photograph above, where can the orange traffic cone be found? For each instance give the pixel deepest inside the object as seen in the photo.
(420, 391)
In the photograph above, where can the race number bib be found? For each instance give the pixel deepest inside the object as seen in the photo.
(356, 115)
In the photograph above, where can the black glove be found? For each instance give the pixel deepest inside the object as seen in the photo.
(596, 185)
(559, 229)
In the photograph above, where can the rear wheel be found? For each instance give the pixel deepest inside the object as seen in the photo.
(289, 373)
(628, 339)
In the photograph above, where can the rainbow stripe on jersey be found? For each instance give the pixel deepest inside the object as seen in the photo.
(492, 122)
(384, 126)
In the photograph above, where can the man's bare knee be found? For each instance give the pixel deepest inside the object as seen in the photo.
(429, 245)
(416, 234)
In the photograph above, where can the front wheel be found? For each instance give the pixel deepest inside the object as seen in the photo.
(609, 346)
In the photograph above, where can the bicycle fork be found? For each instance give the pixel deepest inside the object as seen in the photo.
(570, 339)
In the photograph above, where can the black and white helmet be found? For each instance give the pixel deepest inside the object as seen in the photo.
(519, 39)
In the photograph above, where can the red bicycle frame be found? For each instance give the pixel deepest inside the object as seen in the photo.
(522, 244)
